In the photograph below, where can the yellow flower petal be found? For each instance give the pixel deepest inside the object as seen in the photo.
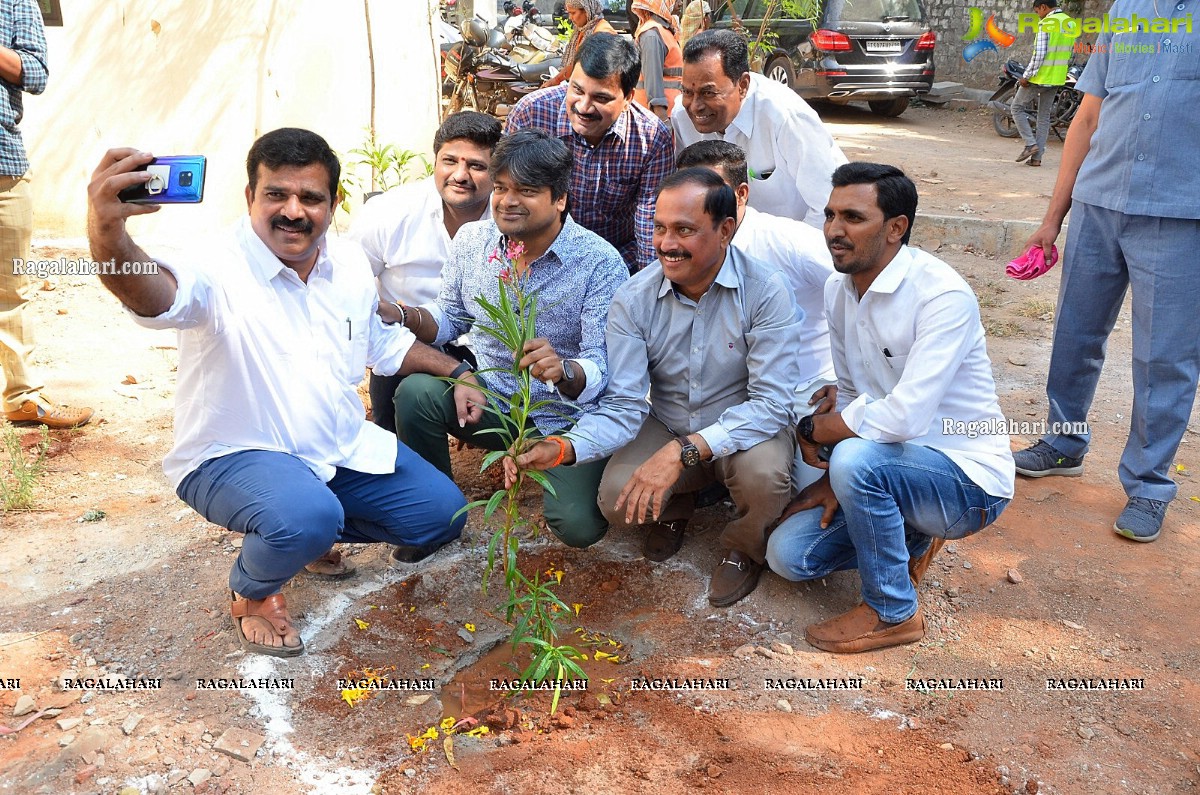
(448, 723)
(470, 627)
(577, 607)
(411, 608)
(361, 624)
(478, 731)
(423, 667)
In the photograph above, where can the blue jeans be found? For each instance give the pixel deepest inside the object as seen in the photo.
(290, 518)
(1107, 253)
(892, 498)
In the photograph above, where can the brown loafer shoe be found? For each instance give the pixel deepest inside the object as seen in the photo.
(735, 578)
(1027, 153)
(50, 415)
(1033, 161)
(331, 565)
(663, 539)
(861, 630)
(918, 566)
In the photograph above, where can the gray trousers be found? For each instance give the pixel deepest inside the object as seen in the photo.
(1022, 111)
(1159, 258)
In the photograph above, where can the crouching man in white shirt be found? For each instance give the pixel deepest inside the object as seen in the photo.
(276, 328)
(912, 368)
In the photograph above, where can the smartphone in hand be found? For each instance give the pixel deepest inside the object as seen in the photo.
(176, 179)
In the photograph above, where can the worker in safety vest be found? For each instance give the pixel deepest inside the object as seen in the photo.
(657, 37)
(1045, 74)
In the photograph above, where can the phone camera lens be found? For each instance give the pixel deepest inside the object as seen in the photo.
(185, 179)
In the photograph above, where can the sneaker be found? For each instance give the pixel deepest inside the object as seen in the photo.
(1042, 460)
(1028, 152)
(1141, 520)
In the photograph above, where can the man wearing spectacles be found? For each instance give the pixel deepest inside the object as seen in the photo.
(790, 153)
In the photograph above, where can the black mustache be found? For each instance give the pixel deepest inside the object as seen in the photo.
(841, 241)
(676, 254)
(301, 225)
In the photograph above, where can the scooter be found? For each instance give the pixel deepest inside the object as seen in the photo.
(481, 76)
(529, 41)
(1066, 101)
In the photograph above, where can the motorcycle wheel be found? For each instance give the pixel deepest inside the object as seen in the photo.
(1002, 120)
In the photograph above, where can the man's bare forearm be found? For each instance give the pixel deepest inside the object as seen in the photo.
(11, 68)
(421, 358)
(1075, 149)
(147, 294)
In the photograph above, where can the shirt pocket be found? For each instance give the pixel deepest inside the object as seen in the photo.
(617, 194)
(1126, 67)
(896, 363)
(352, 353)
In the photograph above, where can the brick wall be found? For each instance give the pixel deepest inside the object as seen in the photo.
(950, 19)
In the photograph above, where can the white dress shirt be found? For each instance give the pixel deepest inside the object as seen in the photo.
(912, 353)
(800, 252)
(403, 231)
(267, 362)
(790, 152)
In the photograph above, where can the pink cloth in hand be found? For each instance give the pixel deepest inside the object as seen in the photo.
(1032, 263)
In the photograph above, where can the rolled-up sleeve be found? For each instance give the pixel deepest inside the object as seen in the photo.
(192, 307)
(29, 43)
(774, 372)
(387, 346)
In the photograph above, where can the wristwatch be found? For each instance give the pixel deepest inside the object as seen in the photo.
(690, 455)
(568, 373)
(804, 429)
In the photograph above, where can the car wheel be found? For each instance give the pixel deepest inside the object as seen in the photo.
(889, 107)
(780, 70)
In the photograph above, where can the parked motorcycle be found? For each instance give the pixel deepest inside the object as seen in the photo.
(1066, 101)
(481, 76)
(530, 41)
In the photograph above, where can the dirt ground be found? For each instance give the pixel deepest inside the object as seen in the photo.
(1048, 592)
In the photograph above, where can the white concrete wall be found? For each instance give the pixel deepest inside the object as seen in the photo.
(206, 77)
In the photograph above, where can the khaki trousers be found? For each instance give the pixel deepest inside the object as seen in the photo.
(759, 482)
(16, 328)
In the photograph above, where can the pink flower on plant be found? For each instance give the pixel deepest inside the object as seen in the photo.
(505, 276)
(515, 249)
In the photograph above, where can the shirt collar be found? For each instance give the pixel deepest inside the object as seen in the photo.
(743, 122)
(890, 278)
(263, 262)
(727, 276)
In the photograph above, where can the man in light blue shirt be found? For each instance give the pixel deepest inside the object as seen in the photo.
(1129, 178)
(711, 335)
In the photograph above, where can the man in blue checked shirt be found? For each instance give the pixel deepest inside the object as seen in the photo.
(22, 70)
(710, 334)
(1128, 176)
(621, 151)
(574, 273)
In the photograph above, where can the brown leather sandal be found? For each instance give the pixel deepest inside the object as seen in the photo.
(274, 610)
(331, 566)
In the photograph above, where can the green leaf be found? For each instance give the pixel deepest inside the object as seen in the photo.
(494, 503)
(541, 479)
(491, 458)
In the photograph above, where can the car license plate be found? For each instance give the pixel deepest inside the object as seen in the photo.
(883, 46)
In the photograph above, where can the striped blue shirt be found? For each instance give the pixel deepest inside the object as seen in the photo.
(20, 31)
